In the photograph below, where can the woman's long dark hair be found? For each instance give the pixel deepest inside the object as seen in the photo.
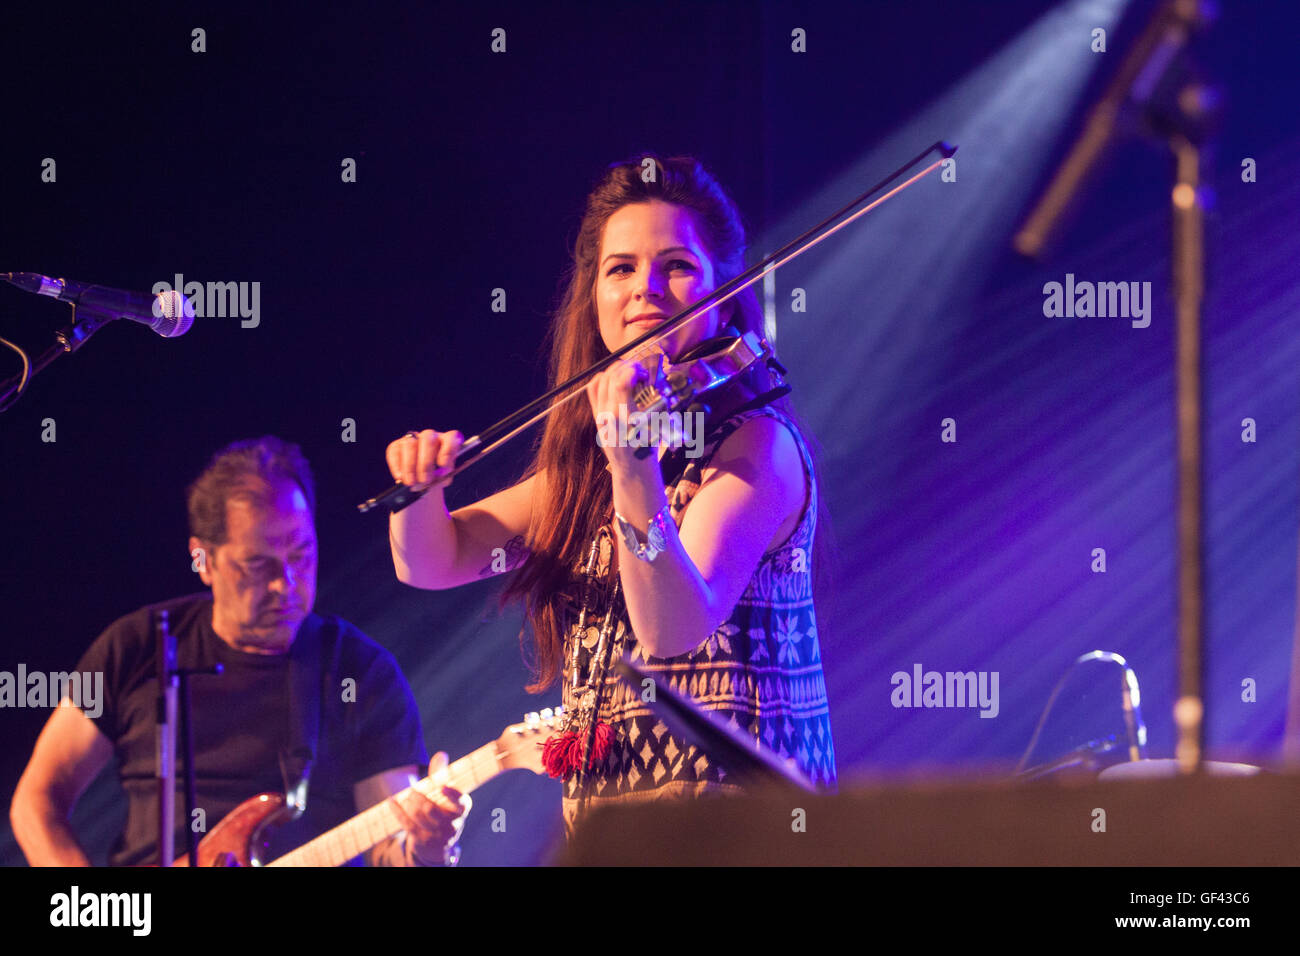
(578, 498)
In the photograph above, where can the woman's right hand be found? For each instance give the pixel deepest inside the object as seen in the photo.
(421, 460)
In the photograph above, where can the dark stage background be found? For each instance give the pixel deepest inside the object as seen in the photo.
(471, 169)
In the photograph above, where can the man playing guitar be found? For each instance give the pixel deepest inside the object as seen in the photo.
(253, 542)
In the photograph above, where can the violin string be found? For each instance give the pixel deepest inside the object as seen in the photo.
(477, 440)
(742, 281)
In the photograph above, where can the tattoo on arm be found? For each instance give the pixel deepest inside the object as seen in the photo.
(506, 558)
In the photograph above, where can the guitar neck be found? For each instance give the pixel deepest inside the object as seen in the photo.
(353, 837)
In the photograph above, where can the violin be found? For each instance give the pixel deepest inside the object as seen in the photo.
(705, 367)
(702, 369)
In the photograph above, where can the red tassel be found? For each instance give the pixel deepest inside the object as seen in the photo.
(604, 739)
(556, 754)
(562, 753)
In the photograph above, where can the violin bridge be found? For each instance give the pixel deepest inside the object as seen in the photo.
(645, 397)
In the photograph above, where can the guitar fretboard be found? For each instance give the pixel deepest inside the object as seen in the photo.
(353, 837)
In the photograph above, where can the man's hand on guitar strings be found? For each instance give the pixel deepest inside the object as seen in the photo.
(433, 825)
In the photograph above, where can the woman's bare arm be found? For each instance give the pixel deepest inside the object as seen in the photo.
(749, 500)
(435, 549)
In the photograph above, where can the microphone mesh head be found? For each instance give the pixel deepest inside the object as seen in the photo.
(174, 312)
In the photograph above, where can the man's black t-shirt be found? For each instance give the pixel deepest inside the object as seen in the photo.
(369, 722)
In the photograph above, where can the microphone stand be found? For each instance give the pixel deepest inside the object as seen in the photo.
(1183, 115)
(68, 339)
(165, 771)
(174, 698)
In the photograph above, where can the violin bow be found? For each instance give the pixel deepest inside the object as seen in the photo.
(494, 436)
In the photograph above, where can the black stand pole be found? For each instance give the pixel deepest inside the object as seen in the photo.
(1188, 261)
(166, 767)
(173, 682)
(68, 339)
(1180, 113)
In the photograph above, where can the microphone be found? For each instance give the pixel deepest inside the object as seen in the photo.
(168, 313)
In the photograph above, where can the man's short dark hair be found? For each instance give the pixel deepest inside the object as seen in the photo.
(228, 476)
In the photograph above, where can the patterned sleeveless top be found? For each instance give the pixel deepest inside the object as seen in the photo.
(760, 671)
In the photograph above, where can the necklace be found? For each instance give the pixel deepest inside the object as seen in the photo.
(584, 739)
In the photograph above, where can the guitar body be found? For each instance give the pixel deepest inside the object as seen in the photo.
(241, 838)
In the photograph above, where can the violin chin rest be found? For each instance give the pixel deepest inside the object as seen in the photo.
(709, 346)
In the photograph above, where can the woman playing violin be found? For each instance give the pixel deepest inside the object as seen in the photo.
(697, 564)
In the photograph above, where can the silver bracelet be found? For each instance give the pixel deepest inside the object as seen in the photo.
(656, 534)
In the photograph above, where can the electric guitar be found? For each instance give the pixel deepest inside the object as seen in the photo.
(242, 836)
